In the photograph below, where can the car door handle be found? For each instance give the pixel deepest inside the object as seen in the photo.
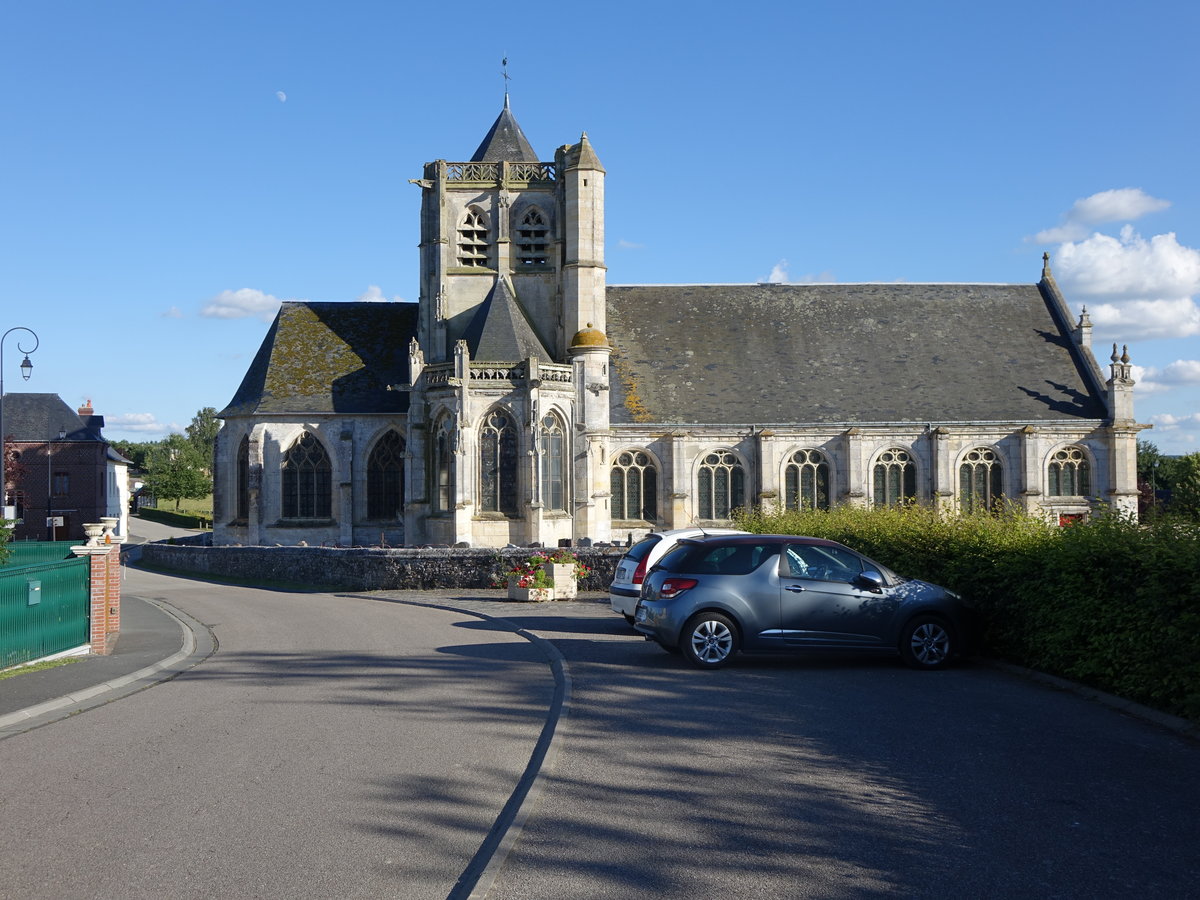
(795, 589)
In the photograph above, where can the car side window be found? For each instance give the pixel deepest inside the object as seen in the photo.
(736, 559)
(822, 563)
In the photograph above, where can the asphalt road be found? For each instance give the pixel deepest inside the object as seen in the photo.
(348, 746)
(844, 778)
(331, 747)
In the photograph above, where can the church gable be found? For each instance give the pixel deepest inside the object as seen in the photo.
(776, 354)
(330, 358)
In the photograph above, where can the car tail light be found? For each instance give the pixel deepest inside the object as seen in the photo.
(673, 587)
(639, 574)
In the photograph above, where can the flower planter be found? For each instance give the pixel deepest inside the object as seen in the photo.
(528, 594)
(562, 576)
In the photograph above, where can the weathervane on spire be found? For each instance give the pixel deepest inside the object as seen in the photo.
(507, 78)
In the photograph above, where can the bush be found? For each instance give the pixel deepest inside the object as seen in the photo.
(179, 520)
(1109, 603)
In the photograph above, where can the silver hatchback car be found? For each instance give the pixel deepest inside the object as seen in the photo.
(626, 585)
(774, 593)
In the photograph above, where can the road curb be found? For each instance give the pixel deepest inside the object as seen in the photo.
(198, 644)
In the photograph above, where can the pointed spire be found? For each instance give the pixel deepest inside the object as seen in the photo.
(582, 156)
(500, 330)
(1046, 266)
(505, 142)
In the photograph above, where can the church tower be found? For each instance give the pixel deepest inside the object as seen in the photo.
(512, 273)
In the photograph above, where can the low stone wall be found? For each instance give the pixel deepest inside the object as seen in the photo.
(366, 569)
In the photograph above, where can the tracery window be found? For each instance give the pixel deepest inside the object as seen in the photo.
(473, 240)
(242, 474)
(1070, 474)
(980, 480)
(720, 485)
(895, 478)
(307, 480)
(806, 481)
(634, 487)
(498, 464)
(531, 239)
(552, 438)
(385, 478)
(443, 469)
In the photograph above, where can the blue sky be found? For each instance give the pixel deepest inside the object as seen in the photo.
(172, 171)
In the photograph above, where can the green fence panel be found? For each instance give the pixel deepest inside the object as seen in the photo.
(44, 609)
(27, 553)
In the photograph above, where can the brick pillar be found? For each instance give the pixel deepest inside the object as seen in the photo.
(105, 600)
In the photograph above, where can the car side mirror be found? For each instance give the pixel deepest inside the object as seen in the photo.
(869, 580)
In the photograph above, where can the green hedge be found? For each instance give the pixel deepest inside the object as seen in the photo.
(1110, 603)
(179, 520)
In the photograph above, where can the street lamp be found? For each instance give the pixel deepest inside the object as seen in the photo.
(26, 371)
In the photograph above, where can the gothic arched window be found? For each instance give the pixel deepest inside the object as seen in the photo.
(307, 480)
(1070, 474)
(242, 511)
(498, 463)
(443, 469)
(385, 478)
(806, 481)
(634, 487)
(721, 485)
(553, 446)
(473, 240)
(531, 239)
(895, 478)
(980, 480)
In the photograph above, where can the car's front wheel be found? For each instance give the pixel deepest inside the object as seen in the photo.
(709, 640)
(927, 643)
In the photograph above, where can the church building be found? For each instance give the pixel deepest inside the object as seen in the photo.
(523, 400)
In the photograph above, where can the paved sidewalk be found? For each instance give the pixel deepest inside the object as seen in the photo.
(156, 642)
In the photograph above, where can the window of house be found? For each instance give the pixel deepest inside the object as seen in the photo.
(385, 478)
(531, 240)
(806, 481)
(498, 464)
(473, 240)
(634, 487)
(720, 484)
(1070, 475)
(980, 480)
(62, 484)
(552, 438)
(895, 479)
(242, 512)
(307, 480)
(443, 470)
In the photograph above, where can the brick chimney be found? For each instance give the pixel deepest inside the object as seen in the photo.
(86, 409)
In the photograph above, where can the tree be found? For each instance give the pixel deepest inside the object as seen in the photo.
(135, 451)
(202, 433)
(176, 471)
(1185, 493)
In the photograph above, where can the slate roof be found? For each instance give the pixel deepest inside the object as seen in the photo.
(500, 331)
(330, 358)
(505, 141)
(40, 417)
(774, 354)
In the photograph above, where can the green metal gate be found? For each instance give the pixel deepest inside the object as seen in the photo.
(44, 609)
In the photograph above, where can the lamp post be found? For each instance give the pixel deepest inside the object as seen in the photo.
(26, 371)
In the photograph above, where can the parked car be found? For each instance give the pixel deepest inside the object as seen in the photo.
(771, 593)
(626, 585)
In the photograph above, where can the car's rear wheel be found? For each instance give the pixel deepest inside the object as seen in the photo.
(927, 643)
(709, 640)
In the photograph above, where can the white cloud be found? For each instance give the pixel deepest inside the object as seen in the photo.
(1145, 288)
(281, 96)
(629, 245)
(1120, 205)
(173, 313)
(1146, 380)
(241, 304)
(138, 422)
(1168, 422)
(374, 295)
(1183, 371)
(779, 275)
